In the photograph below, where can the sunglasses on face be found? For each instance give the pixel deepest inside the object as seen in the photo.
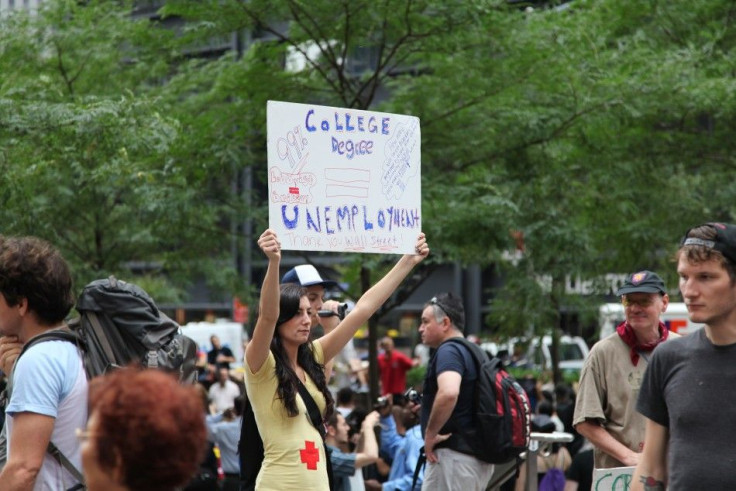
(641, 302)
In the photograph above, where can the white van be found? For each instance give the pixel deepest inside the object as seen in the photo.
(231, 334)
(676, 318)
(573, 352)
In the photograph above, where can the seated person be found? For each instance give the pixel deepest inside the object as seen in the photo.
(403, 450)
(344, 462)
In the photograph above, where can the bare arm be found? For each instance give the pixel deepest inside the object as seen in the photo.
(602, 439)
(651, 473)
(369, 452)
(448, 390)
(268, 307)
(30, 437)
(371, 300)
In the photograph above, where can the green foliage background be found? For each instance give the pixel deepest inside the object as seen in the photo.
(600, 129)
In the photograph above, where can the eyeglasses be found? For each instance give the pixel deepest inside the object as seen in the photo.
(83, 435)
(643, 302)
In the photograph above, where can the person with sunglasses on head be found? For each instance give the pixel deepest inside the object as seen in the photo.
(610, 379)
(285, 367)
(687, 389)
(447, 401)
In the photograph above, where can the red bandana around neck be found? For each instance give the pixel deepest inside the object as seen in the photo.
(627, 335)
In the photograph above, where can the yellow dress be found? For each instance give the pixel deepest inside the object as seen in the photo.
(294, 454)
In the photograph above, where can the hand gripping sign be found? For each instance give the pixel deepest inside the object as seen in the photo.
(343, 179)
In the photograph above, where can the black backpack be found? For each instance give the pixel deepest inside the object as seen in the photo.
(119, 324)
(501, 411)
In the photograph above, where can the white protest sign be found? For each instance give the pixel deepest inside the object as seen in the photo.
(343, 179)
(614, 479)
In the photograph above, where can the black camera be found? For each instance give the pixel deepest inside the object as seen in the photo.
(413, 396)
(341, 311)
(381, 402)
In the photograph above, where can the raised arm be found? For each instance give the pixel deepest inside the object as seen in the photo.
(371, 300)
(268, 306)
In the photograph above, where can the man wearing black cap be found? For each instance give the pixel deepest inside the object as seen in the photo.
(609, 382)
(687, 392)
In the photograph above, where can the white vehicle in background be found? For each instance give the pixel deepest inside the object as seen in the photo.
(231, 334)
(573, 352)
(676, 318)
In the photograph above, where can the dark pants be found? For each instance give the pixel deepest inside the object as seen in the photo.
(231, 482)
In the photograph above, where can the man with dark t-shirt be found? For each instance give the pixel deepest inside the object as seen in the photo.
(447, 401)
(685, 395)
(219, 355)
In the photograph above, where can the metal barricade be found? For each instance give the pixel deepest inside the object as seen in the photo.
(540, 444)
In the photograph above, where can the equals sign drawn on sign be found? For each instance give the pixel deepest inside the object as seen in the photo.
(347, 182)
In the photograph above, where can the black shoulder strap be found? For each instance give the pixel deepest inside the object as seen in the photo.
(54, 451)
(62, 334)
(421, 461)
(313, 411)
(474, 350)
(316, 418)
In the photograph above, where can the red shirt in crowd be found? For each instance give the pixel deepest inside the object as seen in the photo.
(393, 367)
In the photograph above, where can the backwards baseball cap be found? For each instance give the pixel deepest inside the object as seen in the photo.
(724, 241)
(642, 282)
(306, 275)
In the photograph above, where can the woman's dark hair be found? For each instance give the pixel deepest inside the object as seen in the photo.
(291, 295)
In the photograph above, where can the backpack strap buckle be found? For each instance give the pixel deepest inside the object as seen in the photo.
(152, 359)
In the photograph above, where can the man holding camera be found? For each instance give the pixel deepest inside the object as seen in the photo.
(328, 314)
(447, 404)
(404, 450)
(344, 462)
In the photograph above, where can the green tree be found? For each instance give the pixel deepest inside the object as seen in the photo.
(85, 146)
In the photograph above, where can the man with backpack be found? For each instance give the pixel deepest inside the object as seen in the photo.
(48, 395)
(447, 404)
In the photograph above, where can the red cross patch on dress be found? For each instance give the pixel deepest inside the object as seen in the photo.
(309, 455)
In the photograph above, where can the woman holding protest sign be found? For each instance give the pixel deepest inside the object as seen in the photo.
(283, 367)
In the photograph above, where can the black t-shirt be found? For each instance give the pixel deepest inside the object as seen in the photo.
(456, 358)
(215, 352)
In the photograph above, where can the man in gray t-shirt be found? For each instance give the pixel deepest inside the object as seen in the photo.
(690, 438)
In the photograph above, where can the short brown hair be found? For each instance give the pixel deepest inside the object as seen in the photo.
(697, 253)
(33, 269)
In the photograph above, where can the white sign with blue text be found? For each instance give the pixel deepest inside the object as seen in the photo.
(343, 179)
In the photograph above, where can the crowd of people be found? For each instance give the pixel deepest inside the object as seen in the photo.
(140, 429)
